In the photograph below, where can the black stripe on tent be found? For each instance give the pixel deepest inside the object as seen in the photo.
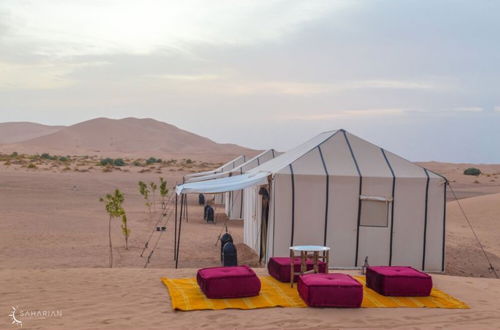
(241, 204)
(258, 161)
(272, 150)
(392, 205)
(293, 203)
(327, 194)
(444, 226)
(274, 210)
(425, 217)
(359, 197)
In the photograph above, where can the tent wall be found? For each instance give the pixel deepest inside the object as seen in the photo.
(234, 204)
(252, 214)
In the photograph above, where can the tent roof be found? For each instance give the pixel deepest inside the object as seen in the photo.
(252, 163)
(227, 166)
(338, 152)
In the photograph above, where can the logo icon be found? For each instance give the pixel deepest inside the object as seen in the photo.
(14, 317)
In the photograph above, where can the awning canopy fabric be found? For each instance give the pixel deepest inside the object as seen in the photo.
(220, 185)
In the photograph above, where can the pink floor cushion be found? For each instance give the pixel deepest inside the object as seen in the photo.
(279, 268)
(330, 290)
(228, 282)
(398, 281)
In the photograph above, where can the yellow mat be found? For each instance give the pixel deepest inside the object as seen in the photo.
(187, 296)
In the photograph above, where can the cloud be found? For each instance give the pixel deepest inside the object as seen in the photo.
(38, 76)
(345, 114)
(233, 84)
(468, 109)
(185, 77)
(117, 26)
(496, 108)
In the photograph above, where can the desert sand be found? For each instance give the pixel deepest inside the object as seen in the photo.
(53, 243)
(135, 298)
(23, 131)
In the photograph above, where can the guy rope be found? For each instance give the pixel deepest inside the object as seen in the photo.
(162, 214)
(491, 268)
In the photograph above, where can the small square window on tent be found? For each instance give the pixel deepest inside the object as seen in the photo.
(375, 211)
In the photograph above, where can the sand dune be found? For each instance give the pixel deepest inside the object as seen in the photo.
(21, 131)
(129, 136)
(464, 256)
(466, 186)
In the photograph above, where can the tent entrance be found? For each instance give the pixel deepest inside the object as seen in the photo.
(264, 220)
(374, 227)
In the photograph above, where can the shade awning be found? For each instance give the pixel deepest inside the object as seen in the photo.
(232, 183)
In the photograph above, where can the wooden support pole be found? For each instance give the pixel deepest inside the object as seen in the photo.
(179, 238)
(175, 228)
(186, 207)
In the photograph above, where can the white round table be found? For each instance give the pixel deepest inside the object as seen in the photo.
(304, 254)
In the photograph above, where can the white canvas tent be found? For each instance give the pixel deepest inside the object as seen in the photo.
(346, 193)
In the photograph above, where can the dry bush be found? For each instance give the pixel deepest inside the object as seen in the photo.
(107, 169)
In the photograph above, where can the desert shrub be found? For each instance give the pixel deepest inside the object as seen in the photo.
(48, 156)
(137, 163)
(14, 154)
(118, 162)
(152, 160)
(63, 159)
(189, 161)
(31, 165)
(472, 171)
(106, 161)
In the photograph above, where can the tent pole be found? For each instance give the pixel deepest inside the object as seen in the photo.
(179, 239)
(175, 228)
(186, 215)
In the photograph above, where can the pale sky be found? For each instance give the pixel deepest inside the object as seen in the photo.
(420, 78)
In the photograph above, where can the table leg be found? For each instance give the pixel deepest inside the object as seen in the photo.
(292, 268)
(315, 262)
(327, 261)
(303, 262)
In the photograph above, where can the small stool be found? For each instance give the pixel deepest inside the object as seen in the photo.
(398, 281)
(304, 255)
(330, 290)
(279, 267)
(228, 282)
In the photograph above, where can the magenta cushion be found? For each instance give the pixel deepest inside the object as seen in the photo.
(398, 281)
(279, 267)
(228, 282)
(330, 290)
